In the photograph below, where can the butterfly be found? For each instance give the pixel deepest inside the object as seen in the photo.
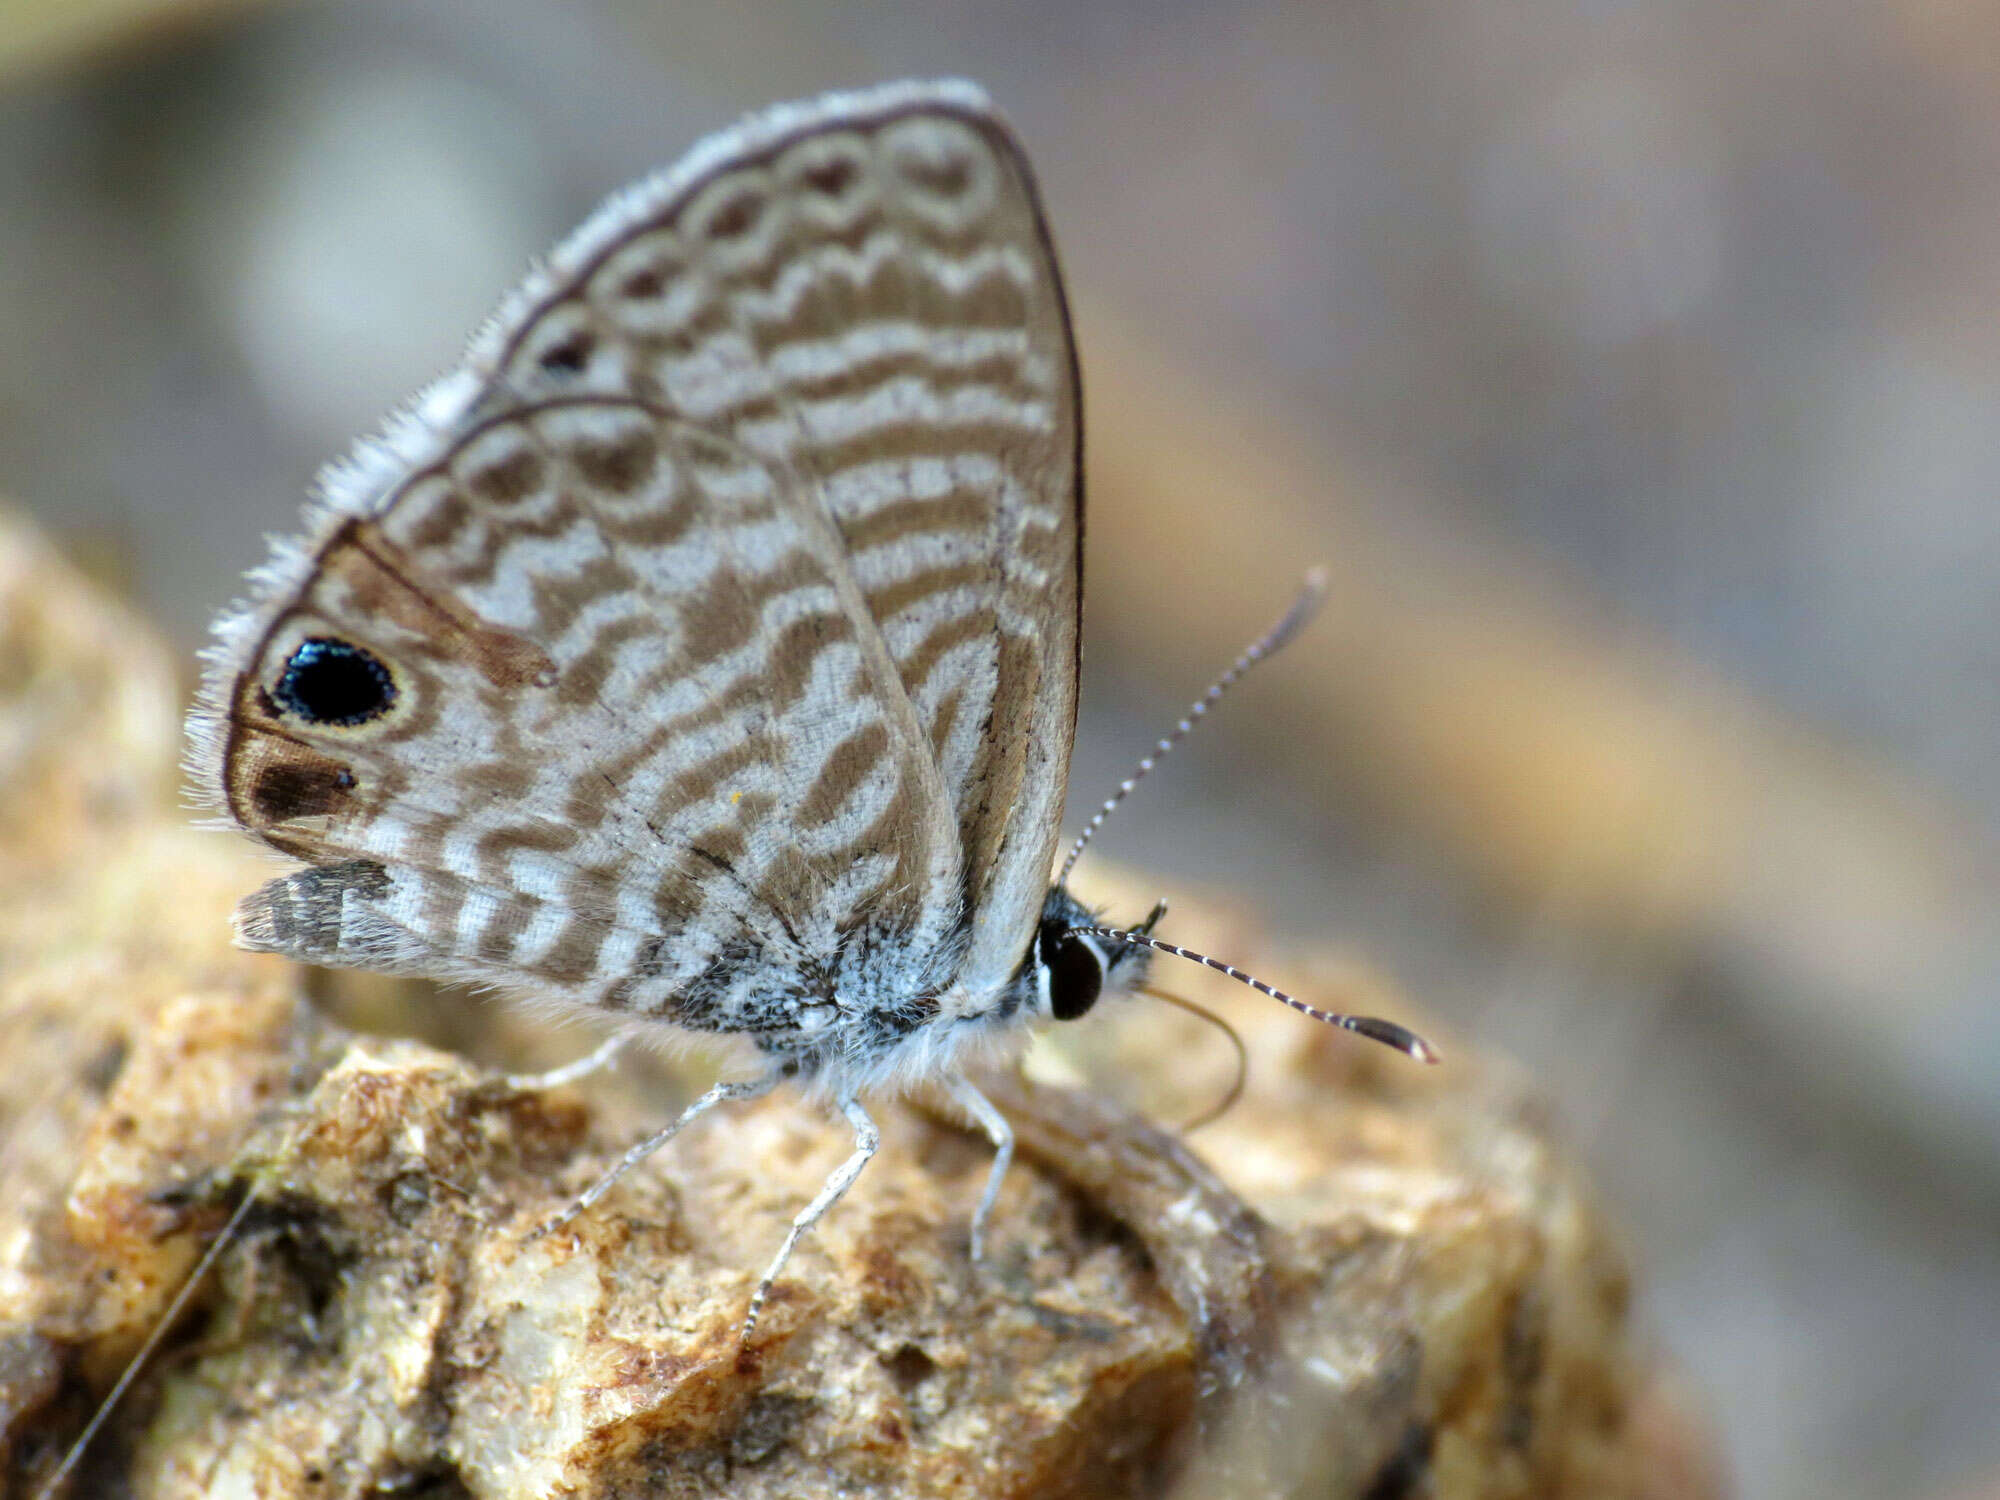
(701, 654)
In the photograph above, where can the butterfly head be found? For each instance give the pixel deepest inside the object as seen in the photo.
(1068, 968)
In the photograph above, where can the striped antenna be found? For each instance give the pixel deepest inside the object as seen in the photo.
(1311, 596)
(1388, 1033)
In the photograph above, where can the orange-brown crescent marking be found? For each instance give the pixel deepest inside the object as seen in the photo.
(275, 779)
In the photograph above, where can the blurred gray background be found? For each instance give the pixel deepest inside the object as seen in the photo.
(1634, 364)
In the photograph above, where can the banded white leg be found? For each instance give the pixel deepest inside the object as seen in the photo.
(866, 1139)
(754, 1088)
(1001, 1134)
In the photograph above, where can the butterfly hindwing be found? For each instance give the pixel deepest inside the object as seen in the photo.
(591, 680)
(718, 621)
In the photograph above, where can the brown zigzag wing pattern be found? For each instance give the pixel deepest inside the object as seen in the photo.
(708, 641)
(702, 653)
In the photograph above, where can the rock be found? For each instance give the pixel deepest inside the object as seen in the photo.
(1367, 1279)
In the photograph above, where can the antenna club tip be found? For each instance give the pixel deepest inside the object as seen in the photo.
(1424, 1052)
(1318, 576)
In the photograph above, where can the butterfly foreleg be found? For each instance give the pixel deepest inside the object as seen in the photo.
(583, 1067)
(1001, 1134)
(866, 1139)
(754, 1088)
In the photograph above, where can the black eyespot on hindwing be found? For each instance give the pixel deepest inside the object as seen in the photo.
(1076, 973)
(328, 681)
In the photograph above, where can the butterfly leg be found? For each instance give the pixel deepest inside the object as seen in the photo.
(866, 1139)
(1001, 1134)
(583, 1067)
(722, 1093)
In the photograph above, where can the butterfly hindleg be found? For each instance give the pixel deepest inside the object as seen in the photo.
(1001, 1134)
(866, 1139)
(723, 1092)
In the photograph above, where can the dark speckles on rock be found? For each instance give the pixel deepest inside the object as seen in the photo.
(1523, 1352)
(767, 1422)
(406, 1196)
(910, 1367)
(1403, 1474)
(105, 1065)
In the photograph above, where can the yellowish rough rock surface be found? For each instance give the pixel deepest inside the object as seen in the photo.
(1368, 1279)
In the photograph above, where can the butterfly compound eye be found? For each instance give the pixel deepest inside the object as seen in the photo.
(329, 681)
(1076, 976)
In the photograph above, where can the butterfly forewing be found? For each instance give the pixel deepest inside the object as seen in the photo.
(716, 629)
